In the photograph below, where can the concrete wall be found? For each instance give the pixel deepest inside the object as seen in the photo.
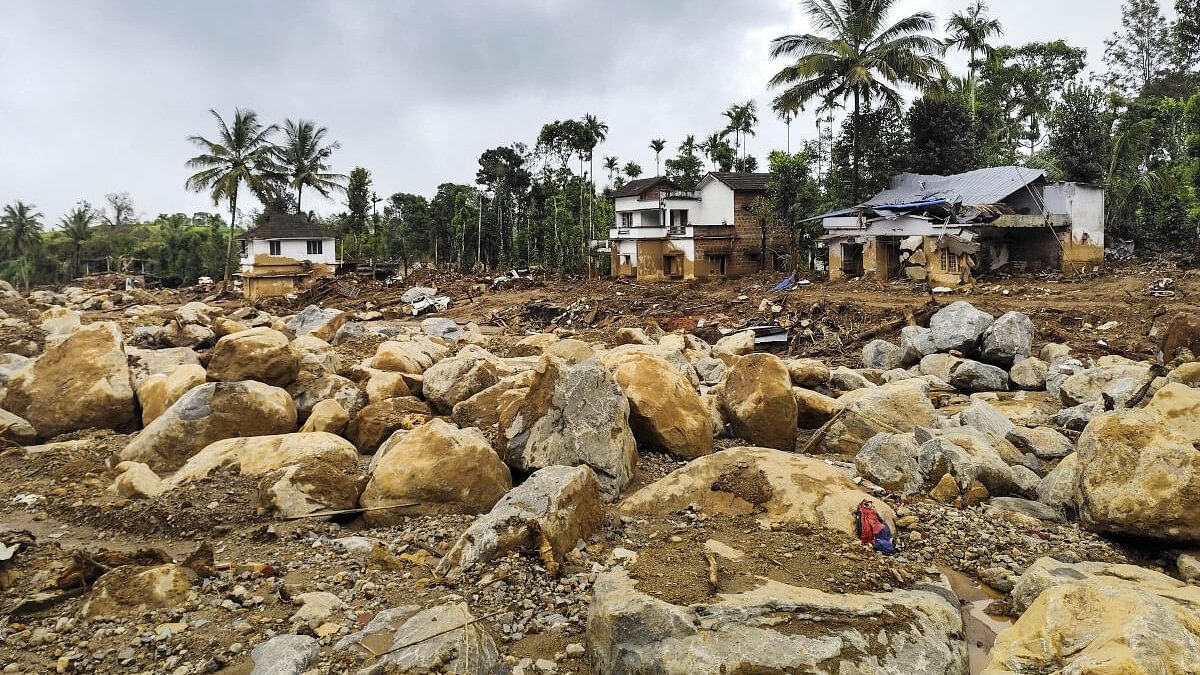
(293, 248)
(1084, 248)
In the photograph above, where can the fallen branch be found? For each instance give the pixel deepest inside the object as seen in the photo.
(819, 434)
(712, 571)
(342, 512)
(438, 634)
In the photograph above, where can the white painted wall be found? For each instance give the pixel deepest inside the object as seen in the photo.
(1085, 204)
(715, 206)
(293, 248)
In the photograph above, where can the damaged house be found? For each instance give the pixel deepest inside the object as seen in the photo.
(284, 255)
(663, 232)
(948, 229)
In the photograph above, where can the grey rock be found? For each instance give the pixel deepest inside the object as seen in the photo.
(1077, 417)
(1116, 382)
(1043, 442)
(1026, 507)
(1008, 339)
(973, 377)
(847, 379)
(316, 320)
(468, 650)
(983, 416)
(880, 354)
(442, 327)
(1057, 489)
(959, 326)
(307, 390)
(284, 655)
(1059, 371)
(890, 461)
(1025, 480)
(1029, 374)
(939, 366)
(351, 330)
(1188, 566)
(1053, 352)
(939, 456)
(916, 343)
(710, 370)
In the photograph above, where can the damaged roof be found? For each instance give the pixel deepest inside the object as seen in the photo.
(286, 226)
(636, 187)
(983, 186)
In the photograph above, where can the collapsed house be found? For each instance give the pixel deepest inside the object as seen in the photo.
(663, 232)
(284, 255)
(948, 229)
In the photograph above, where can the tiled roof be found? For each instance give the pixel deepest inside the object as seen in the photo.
(750, 182)
(636, 187)
(286, 226)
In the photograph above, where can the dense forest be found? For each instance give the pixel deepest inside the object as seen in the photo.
(884, 99)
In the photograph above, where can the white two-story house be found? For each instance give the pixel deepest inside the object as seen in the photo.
(285, 254)
(662, 232)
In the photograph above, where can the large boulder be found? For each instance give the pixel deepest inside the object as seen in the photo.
(665, 410)
(759, 403)
(891, 462)
(146, 362)
(916, 343)
(898, 407)
(318, 322)
(16, 429)
(309, 389)
(1043, 442)
(808, 373)
(328, 416)
(772, 485)
(80, 382)
(1099, 618)
(1182, 332)
(438, 468)
(1057, 488)
(1008, 340)
(413, 357)
(1139, 475)
(973, 377)
(209, 413)
(958, 326)
(881, 355)
(1029, 374)
(915, 632)
(132, 589)
(377, 421)
(443, 638)
(965, 462)
(572, 415)
(260, 354)
(316, 355)
(483, 409)
(160, 391)
(814, 409)
(558, 505)
(457, 378)
(1119, 382)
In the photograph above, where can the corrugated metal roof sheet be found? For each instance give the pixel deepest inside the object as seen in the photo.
(983, 186)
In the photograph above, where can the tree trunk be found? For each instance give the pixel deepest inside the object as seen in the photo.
(229, 238)
(299, 194)
(857, 178)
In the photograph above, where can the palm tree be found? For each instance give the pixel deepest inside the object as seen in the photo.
(688, 146)
(242, 153)
(611, 164)
(710, 145)
(596, 133)
(633, 170)
(657, 145)
(747, 118)
(304, 159)
(856, 54)
(970, 32)
(22, 232)
(734, 114)
(77, 225)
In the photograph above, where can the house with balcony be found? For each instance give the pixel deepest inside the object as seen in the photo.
(284, 255)
(664, 232)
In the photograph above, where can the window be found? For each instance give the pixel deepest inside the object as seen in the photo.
(949, 261)
(314, 246)
(275, 248)
(626, 221)
(717, 263)
(679, 221)
(626, 261)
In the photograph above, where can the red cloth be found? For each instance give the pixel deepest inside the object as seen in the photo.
(869, 524)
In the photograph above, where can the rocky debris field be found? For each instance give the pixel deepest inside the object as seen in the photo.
(212, 487)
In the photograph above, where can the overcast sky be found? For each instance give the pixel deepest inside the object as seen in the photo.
(99, 97)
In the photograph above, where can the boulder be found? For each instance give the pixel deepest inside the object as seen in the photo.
(915, 632)
(327, 416)
(196, 312)
(442, 327)
(558, 505)
(890, 461)
(1057, 488)
(284, 655)
(710, 370)
(258, 455)
(533, 345)
(160, 391)
(309, 389)
(845, 379)
(457, 378)
(15, 429)
(972, 377)
(1008, 340)
(665, 412)
(135, 481)
(1139, 475)
(375, 422)
(209, 413)
(316, 355)
(898, 407)
(814, 409)
(1058, 373)
(260, 354)
(571, 351)
(939, 365)
(318, 322)
(771, 485)
(1029, 374)
(1182, 332)
(572, 415)
(1026, 482)
(132, 589)
(975, 462)
(881, 354)
(412, 357)
(444, 638)
(736, 344)
(384, 385)
(311, 485)
(1179, 405)
(958, 326)
(915, 344)
(1076, 418)
(1022, 511)
(223, 326)
(176, 334)
(759, 403)
(632, 336)
(80, 382)
(1043, 442)
(146, 362)
(1052, 352)
(983, 416)
(808, 373)
(59, 321)
(440, 469)
(1099, 618)
(483, 409)
(613, 357)
(1118, 382)
(1187, 373)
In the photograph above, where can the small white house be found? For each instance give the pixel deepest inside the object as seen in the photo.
(284, 254)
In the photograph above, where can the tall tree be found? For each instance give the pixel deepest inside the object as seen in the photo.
(1141, 51)
(856, 54)
(611, 164)
(596, 132)
(1024, 83)
(1081, 135)
(1185, 34)
(942, 136)
(793, 195)
(970, 31)
(242, 153)
(121, 205)
(77, 226)
(657, 145)
(304, 156)
(632, 169)
(22, 234)
(358, 201)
